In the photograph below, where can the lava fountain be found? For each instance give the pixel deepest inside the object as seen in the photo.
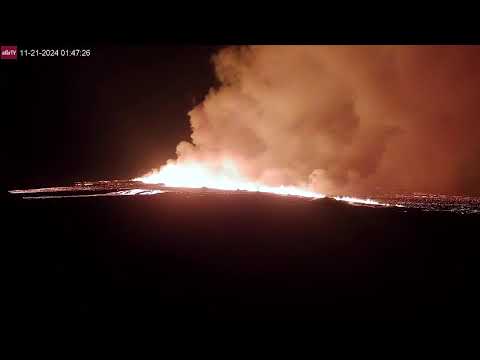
(227, 177)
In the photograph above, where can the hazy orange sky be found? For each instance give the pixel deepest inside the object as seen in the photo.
(345, 118)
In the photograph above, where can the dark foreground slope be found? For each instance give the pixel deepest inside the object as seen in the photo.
(183, 256)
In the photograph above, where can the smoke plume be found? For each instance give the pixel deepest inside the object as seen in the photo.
(345, 119)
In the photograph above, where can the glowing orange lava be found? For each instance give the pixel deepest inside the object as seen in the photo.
(354, 200)
(227, 177)
(193, 175)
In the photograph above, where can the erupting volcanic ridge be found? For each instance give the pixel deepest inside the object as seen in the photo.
(197, 176)
(183, 176)
(192, 175)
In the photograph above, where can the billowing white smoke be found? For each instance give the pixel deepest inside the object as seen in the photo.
(344, 119)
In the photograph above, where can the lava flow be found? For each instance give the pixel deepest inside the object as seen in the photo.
(196, 175)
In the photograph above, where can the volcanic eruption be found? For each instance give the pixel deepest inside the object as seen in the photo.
(345, 121)
(310, 120)
(251, 218)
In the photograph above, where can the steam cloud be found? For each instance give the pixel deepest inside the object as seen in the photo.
(345, 119)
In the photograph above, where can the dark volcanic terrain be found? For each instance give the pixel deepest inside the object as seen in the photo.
(206, 254)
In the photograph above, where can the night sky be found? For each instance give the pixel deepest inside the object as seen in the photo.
(113, 115)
